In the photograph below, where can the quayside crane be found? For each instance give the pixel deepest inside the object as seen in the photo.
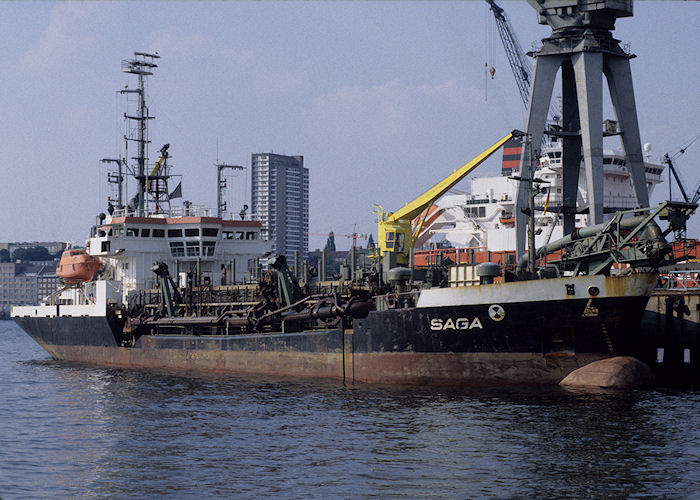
(519, 63)
(395, 234)
(516, 56)
(690, 200)
(694, 197)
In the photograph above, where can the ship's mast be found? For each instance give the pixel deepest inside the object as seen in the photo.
(141, 65)
(533, 189)
(221, 187)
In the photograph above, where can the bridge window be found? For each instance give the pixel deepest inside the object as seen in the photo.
(174, 233)
(159, 233)
(210, 231)
(208, 248)
(193, 248)
(145, 233)
(177, 249)
(192, 232)
(130, 231)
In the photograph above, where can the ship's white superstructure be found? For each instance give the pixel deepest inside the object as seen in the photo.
(200, 246)
(196, 247)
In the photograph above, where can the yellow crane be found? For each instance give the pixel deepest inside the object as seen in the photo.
(395, 234)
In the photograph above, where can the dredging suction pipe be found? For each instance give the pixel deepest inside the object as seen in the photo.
(581, 233)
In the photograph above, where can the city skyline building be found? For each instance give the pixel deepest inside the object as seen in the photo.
(280, 201)
(25, 284)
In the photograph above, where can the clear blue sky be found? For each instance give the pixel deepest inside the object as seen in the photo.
(383, 99)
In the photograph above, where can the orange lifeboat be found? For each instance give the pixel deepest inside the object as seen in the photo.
(77, 266)
(507, 219)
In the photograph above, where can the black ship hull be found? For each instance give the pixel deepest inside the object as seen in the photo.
(524, 342)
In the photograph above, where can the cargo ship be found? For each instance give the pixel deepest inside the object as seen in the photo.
(483, 217)
(187, 288)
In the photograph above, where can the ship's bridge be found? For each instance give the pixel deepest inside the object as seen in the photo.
(219, 251)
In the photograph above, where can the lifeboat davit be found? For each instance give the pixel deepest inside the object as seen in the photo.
(78, 266)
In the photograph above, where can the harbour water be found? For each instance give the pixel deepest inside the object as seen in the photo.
(69, 431)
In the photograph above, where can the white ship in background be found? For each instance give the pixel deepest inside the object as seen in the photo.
(484, 217)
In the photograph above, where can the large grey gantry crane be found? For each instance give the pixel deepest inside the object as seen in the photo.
(581, 44)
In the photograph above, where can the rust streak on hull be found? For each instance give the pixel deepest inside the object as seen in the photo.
(394, 368)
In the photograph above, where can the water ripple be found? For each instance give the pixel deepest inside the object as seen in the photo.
(71, 431)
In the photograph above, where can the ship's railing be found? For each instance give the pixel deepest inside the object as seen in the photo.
(188, 211)
(606, 44)
(192, 211)
(679, 280)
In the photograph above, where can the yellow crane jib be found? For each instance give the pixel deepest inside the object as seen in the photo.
(395, 234)
(158, 164)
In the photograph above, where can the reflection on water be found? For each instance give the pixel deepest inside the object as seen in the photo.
(72, 431)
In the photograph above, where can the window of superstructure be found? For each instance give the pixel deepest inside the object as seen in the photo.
(239, 235)
(130, 231)
(174, 233)
(400, 238)
(251, 235)
(159, 233)
(192, 248)
(227, 235)
(390, 239)
(145, 233)
(208, 248)
(210, 231)
(192, 231)
(177, 249)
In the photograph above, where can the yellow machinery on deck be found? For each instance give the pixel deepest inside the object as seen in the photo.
(396, 236)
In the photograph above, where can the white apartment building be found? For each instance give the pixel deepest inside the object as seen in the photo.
(280, 202)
